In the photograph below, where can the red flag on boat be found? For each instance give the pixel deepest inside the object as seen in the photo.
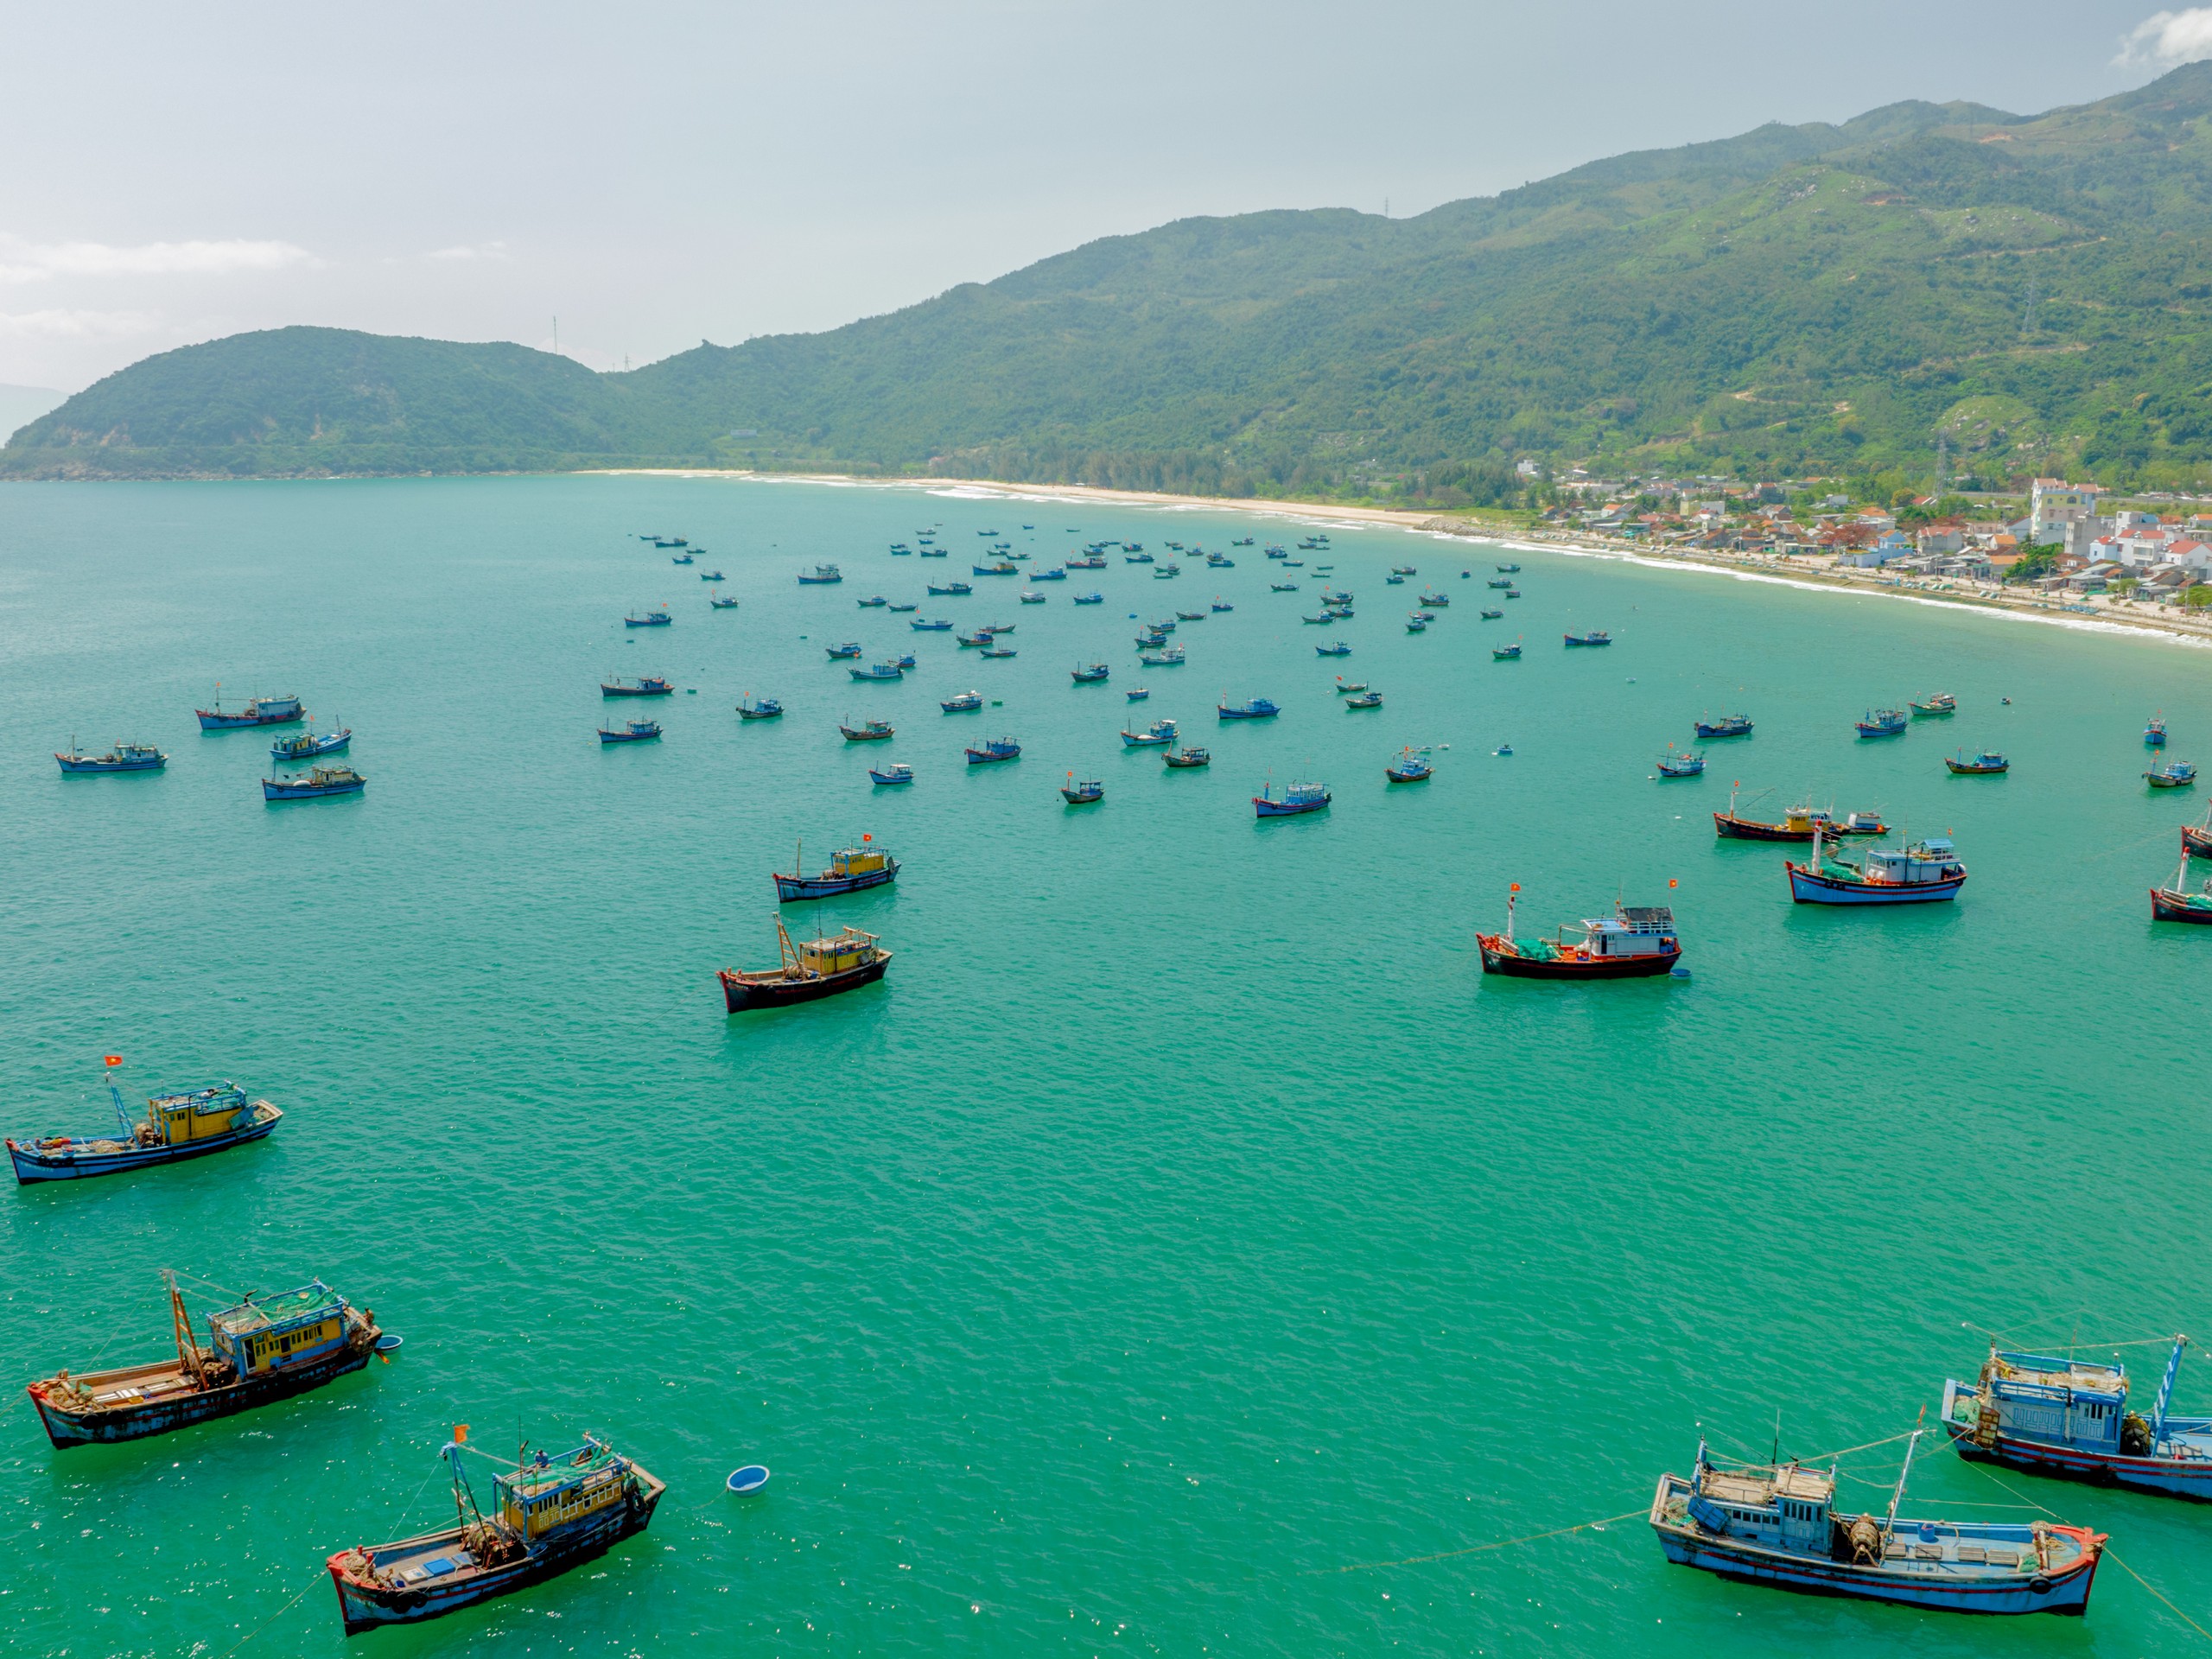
(1517, 886)
(1672, 882)
(110, 1059)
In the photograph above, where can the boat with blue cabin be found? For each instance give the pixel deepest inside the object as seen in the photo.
(1334, 648)
(2174, 774)
(1880, 723)
(1296, 798)
(1726, 726)
(1186, 759)
(931, 624)
(549, 1514)
(1048, 574)
(850, 870)
(1171, 656)
(637, 731)
(1250, 709)
(1985, 763)
(261, 711)
(955, 588)
(314, 784)
(994, 749)
(849, 648)
(2068, 1418)
(1091, 674)
(648, 685)
(1636, 942)
(823, 574)
(1091, 599)
(681, 558)
(721, 601)
(124, 757)
(966, 702)
(753, 707)
(1680, 763)
(261, 1350)
(1412, 766)
(878, 671)
(660, 618)
(897, 772)
(1937, 705)
(1596, 637)
(875, 731)
(711, 575)
(191, 1124)
(1505, 653)
(1777, 1524)
(1924, 872)
(2154, 733)
(873, 602)
(305, 746)
(1085, 793)
(1159, 735)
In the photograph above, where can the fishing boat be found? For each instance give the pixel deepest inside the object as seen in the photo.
(998, 650)
(1186, 759)
(1282, 586)
(681, 558)
(1501, 581)
(2174, 774)
(728, 602)
(1491, 616)
(1340, 613)
(1026, 597)
(823, 574)
(874, 732)
(175, 1126)
(1777, 1524)
(1137, 694)
(896, 771)
(1190, 616)
(261, 1350)
(1935, 706)
(878, 671)
(873, 602)
(900, 610)
(314, 784)
(1250, 709)
(1412, 766)
(1364, 700)
(950, 587)
(1924, 872)
(754, 708)
(931, 552)
(2173, 904)
(1799, 823)
(2196, 838)
(261, 711)
(1880, 723)
(1394, 582)
(665, 541)
(1347, 687)
(1505, 653)
(966, 702)
(1218, 607)
(1090, 675)
(810, 969)
(1084, 793)
(1440, 600)
(1090, 599)
(1164, 626)
(1138, 557)
(1596, 638)
(1726, 726)
(1510, 569)
(637, 731)
(2154, 733)
(549, 1514)
(1856, 824)
(1415, 624)
(850, 870)
(1330, 596)
(124, 757)
(1048, 575)
(2068, 1419)
(1220, 560)
(1087, 561)
(977, 640)
(1334, 648)
(1173, 657)
(716, 576)
(1634, 942)
(1168, 572)
(1296, 798)
(660, 618)
(998, 568)
(1680, 764)
(1403, 570)
(1159, 735)
(649, 685)
(840, 652)
(994, 749)
(1513, 593)
(1985, 763)
(931, 624)
(1321, 618)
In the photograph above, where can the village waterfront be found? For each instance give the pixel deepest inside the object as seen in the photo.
(1185, 1220)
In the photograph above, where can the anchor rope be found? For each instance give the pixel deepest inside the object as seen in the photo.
(1477, 1549)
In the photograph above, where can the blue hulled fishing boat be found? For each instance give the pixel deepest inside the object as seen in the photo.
(176, 1127)
(994, 749)
(2068, 1418)
(1985, 763)
(636, 731)
(943, 589)
(264, 1349)
(1091, 674)
(1250, 709)
(650, 619)
(1334, 648)
(550, 1514)
(1726, 726)
(1923, 873)
(1680, 763)
(966, 702)
(753, 707)
(124, 757)
(1505, 653)
(2174, 774)
(823, 574)
(878, 671)
(2154, 735)
(1880, 723)
(1084, 793)
(1159, 735)
(721, 603)
(313, 784)
(649, 685)
(850, 871)
(1295, 799)
(931, 624)
(897, 771)
(875, 731)
(1596, 637)
(1166, 657)
(305, 746)
(1777, 1524)
(844, 651)
(261, 711)
(1091, 599)
(1412, 766)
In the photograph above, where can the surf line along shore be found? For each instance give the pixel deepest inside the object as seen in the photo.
(1743, 566)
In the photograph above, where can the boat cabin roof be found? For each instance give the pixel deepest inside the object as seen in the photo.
(2050, 1371)
(268, 1312)
(1635, 919)
(1759, 1486)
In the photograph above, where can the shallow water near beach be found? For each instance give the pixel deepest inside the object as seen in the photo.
(1185, 1223)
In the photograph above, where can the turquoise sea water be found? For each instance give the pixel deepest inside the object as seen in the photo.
(1185, 1219)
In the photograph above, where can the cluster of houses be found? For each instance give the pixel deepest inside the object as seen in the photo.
(2140, 553)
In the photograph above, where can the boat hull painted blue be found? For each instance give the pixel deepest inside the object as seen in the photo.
(63, 1165)
(2068, 1594)
(272, 791)
(1809, 889)
(93, 764)
(791, 888)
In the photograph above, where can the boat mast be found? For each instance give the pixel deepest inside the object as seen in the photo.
(2166, 1393)
(1897, 1496)
(189, 1356)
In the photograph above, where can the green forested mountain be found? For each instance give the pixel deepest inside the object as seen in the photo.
(1812, 299)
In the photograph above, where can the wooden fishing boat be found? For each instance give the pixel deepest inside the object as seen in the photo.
(1439, 601)
(810, 968)
(953, 589)
(1726, 726)
(2174, 774)
(1491, 616)
(838, 653)
(1505, 653)
(263, 1348)
(999, 568)
(712, 575)
(931, 624)
(1799, 823)
(2196, 838)
(873, 602)
(1778, 1525)
(1394, 582)
(1596, 637)
(1403, 570)
(1295, 799)
(1084, 793)
(1159, 735)
(637, 731)
(754, 708)
(1364, 700)
(1416, 624)
(978, 640)
(878, 671)
(2154, 733)
(966, 704)
(1926, 872)
(1510, 569)
(1513, 593)
(727, 603)
(996, 650)
(1190, 616)
(994, 749)
(895, 772)
(1090, 675)
(2068, 1419)
(1880, 723)
(1250, 709)
(650, 685)
(1091, 599)
(1218, 607)
(550, 1514)
(660, 618)
(1334, 648)
(1412, 766)
(823, 574)
(1137, 694)
(1985, 763)
(1171, 656)
(875, 731)
(124, 757)
(314, 784)
(1680, 764)
(1500, 582)
(1636, 942)
(1935, 706)
(176, 1127)
(1186, 759)
(261, 711)
(850, 871)
(1282, 586)
(902, 610)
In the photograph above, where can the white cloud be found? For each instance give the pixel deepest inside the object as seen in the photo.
(76, 325)
(471, 250)
(2166, 38)
(28, 261)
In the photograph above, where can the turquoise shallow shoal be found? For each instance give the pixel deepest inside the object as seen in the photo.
(1185, 1219)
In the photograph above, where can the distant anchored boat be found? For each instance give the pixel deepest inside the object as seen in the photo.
(549, 1514)
(305, 746)
(660, 618)
(175, 1126)
(1935, 706)
(843, 650)
(314, 783)
(1596, 637)
(263, 1348)
(850, 870)
(719, 603)
(124, 757)
(1505, 653)
(1159, 735)
(261, 711)
(1250, 709)
(994, 749)
(1412, 766)
(1985, 763)
(1637, 941)
(635, 731)
(875, 731)
(2174, 774)
(966, 702)
(879, 671)
(1085, 793)
(1186, 759)
(650, 685)
(1334, 648)
(753, 707)
(896, 771)
(1680, 763)
(1091, 674)
(823, 574)
(1726, 726)
(1880, 723)
(2173, 904)
(1296, 798)
(942, 589)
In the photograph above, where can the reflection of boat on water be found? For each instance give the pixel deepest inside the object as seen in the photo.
(1634, 942)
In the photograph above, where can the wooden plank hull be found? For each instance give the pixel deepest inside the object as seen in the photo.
(791, 888)
(66, 1428)
(747, 995)
(1497, 959)
(75, 1163)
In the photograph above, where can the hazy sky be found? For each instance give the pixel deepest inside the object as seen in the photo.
(658, 172)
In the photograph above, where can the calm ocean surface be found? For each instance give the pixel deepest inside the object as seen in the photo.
(1185, 1219)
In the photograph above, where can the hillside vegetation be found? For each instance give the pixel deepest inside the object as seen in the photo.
(1810, 300)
